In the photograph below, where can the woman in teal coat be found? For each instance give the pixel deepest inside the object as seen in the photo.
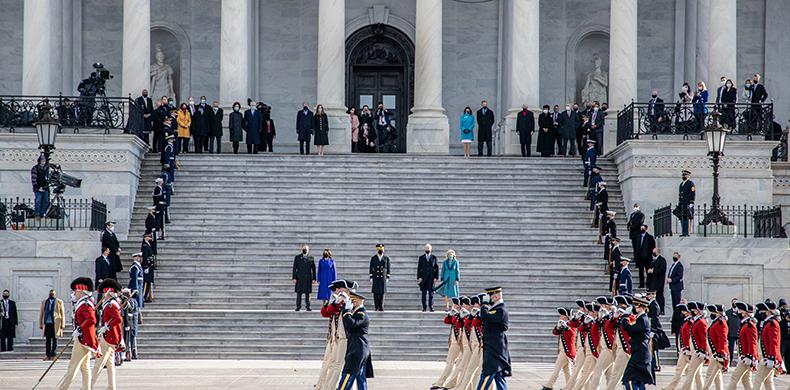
(451, 275)
(467, 130)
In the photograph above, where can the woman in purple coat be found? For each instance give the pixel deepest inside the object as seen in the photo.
(326, 275)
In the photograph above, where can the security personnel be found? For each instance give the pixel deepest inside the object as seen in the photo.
(747, 348)
(638, 372)
(379, 276)
(566, 338)
(168, 155)
(472, 370)
(719, 348)
(594, 345)
(624, 277)
(684, 347)
(111, 331)
(654, 312)
(453, 342)
(606, 324)
(589, 158)
(614, 264)
(167, 187)
(358, 366)
(149, 266)
(465, 323)
(595, 178)
(769, 348)
(496, 357)
(158, 197)
(85, 341)
(582, 350)
(685, 209)
(621, 310)
(699, 346)
(136, 277)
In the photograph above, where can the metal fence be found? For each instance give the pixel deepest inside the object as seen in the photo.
(73, 112)
(18, 213)
(748, 221)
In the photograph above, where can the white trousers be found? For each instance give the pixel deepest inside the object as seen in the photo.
(80, 359)
(563, 363)
(107, 360)
(741, 373)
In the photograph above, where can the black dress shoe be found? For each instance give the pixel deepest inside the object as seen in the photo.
(309, 309)
(424, 310)
(297, 309)
(432, 310)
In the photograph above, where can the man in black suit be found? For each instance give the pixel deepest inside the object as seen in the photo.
(427, 274)
(157, 124)
(147, 106)
(759, 94)
(655, 112)
(656, 276)
(303, 277)
(8, 322)
(110, 240)
(568, 123)
(597, 118)
(675, 279)
(644, 253)
(485, 121)
(304, 128)
(635, 222)
(525, 126)
(215, 127)
(103, 266)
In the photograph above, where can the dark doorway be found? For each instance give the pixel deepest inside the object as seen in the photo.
(380, 61)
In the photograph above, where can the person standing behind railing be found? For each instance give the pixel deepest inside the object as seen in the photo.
(698, 101)
(39, 176)
(728, 98)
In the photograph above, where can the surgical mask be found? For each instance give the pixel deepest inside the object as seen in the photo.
(700, 88)
(191, 101)
(252, 107)
(145, 95)
(723, 82)
(5, 296)
(595, 108)
(112, 228)
(52, 295)
(567, 108)
(675, 259)
(381, 252)
(304, 251)
(546, 111)
(654, 95)
(427, 252)
(202, 101)
(236, 109)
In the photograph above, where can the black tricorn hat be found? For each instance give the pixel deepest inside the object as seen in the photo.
(563, 311)
(682, 307)
(474, 299)
(82, 284)
(744, 306)
(456, 300)
(110, 285)
(580, 303)
(465, 300)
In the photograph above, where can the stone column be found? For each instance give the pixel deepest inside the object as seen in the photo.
(234, 47)
(690, 41)
(522, 66)
(331, 88)
(428, 130)
(703, 42)
(136, 68)
(41, 56)
(722, 38)
(623, 61)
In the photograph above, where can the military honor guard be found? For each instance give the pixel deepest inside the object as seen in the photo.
(379, 273)
(472, 371)
(136, 277)
(747, 348)
(84, 335)
(623, 277)
(149, 266)
(771, 362)
(582, 348)
(594, 345)
(620, 310)
(699, 346)
(496, 357)
(454, 350)
(358, 365)
(566, 339)
(685, 208)
(638, 372)
(465, 323)
(336, 337)
(111, 331)
(589, 159)
(606, 324)
(719, 350)
(684, 347)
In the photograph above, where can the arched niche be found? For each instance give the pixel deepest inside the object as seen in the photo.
(584, 43)
(175, 44)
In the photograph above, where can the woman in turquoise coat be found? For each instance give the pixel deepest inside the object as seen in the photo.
(451, 275)
(467, 130)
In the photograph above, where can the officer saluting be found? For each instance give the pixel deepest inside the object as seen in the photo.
(358, 366)
(685, 209)
(379, 276)
(638, 372)
(496, 358)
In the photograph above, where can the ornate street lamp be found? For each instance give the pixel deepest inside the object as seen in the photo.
(716, 136)
(47, 128)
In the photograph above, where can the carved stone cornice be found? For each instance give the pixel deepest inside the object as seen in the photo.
(77, 156)
(700, 162)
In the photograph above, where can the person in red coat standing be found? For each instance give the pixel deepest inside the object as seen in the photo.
(110, 332)
(769, 347)
(719, 348)
(747, 347)
(684, 346)
(567, 355)
(85, 342)
(699, 346)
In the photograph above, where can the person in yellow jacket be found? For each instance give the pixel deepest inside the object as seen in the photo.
(184, 120)
(51, 321)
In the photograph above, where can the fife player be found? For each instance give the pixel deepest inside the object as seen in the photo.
(747, 348)
(684, 350)
(85, 342)
(771, 361)
(453, 343)
(566, 356)
(622, 310)
(110, 332)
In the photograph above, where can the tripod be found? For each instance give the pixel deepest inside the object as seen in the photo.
(57, 209)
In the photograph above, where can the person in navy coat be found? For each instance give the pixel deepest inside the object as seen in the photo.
(496, 357)
(675, 279)
(103, 266)
(136, 277)
(304, 128)
(626, 286)
(252, 124)
(638, 372)
(358, 365)
(589, 158)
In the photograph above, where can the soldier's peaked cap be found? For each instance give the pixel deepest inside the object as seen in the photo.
(379, 246)
(82, 284)
(493, 290)
(686, 172)
(355, 296)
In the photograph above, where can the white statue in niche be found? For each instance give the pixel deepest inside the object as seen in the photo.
(161, 77)
(595, 88)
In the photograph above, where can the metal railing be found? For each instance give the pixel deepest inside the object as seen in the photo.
(18, 213)
(73, 112)
(748, 221)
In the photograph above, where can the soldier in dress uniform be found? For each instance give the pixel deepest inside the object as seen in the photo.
(684, 346)
(654, 313)
(620, 311)
(685, 208)
(699, 346)
(453, 342)
(593, 343)
(379, 276)
(496, 357)
(330, 310)
(111, 331)
(719, 348)
(151, 224)
(476, 345)
(136, 277)
(626, 285)
(358, 366)
(566, 338)
(606, 324)
(771, 362)
(149, 266)
(638, 372)
(592, 189)
(342, 291)
(589, 158)
(747, 348)
(158, 197)
(582, 349)
(84, 335)
(465, 323)
(614, 264)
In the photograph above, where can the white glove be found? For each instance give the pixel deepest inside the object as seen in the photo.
(332, 299)
(746, 361)
(486, 298)
(146, 270)
(343, 296)
(561, 324)
(76, 334)
(701, 355)
(348, 305)
(578, 315)
(103, 330)
(453, 312)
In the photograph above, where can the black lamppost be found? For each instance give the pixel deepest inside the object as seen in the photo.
(47, 129)
(716, 136)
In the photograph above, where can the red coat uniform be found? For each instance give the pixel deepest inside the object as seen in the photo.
(608, 326)
(477, 323)
(111, 317)
(717, 339)
(468, 327)
(567, 336)
(85, 321)
(685, 335)
(594, 338)
(625, 337)
(769, 343)
(747, 340)
(330, 310)
(583, 329)
(699, 333)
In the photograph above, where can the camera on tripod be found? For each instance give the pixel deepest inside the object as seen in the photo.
(95, 84)
(59, 180)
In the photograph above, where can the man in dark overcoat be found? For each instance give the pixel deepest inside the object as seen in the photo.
(201, 119)
(525, 126)
(303, 277)
(357, 366)
(110, 240)
(427, 274)
(379, 276)
(496, 357)
(638, 372)
(253, 125)
(304, 128)
(568, 123)
(485, 121)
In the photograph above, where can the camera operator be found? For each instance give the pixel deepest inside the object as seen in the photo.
(39, 177)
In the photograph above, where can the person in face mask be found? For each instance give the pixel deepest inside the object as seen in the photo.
(427, 275)
(51, 321)
(216, 115)
(546, 133)
(655, 277)
(253, 125)
(597, 120)
(110, 240)
(746, 331)
(635, 222)
(304, 276)
(675, 279)
(201, 120)
(485, 121)
(638, 372)
(568, 122)
(379, 273)
(719, 352)
(733, 324)
(655, 113)
(235, 120)
(8, 322)
(304, 128)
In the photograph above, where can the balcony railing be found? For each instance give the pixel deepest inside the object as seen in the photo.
(18, 213)
(748, 221)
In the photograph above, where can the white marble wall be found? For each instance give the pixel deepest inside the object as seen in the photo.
(719, 269)
(109, 166)
(782, 190)
(136, 67)
(32, 263)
